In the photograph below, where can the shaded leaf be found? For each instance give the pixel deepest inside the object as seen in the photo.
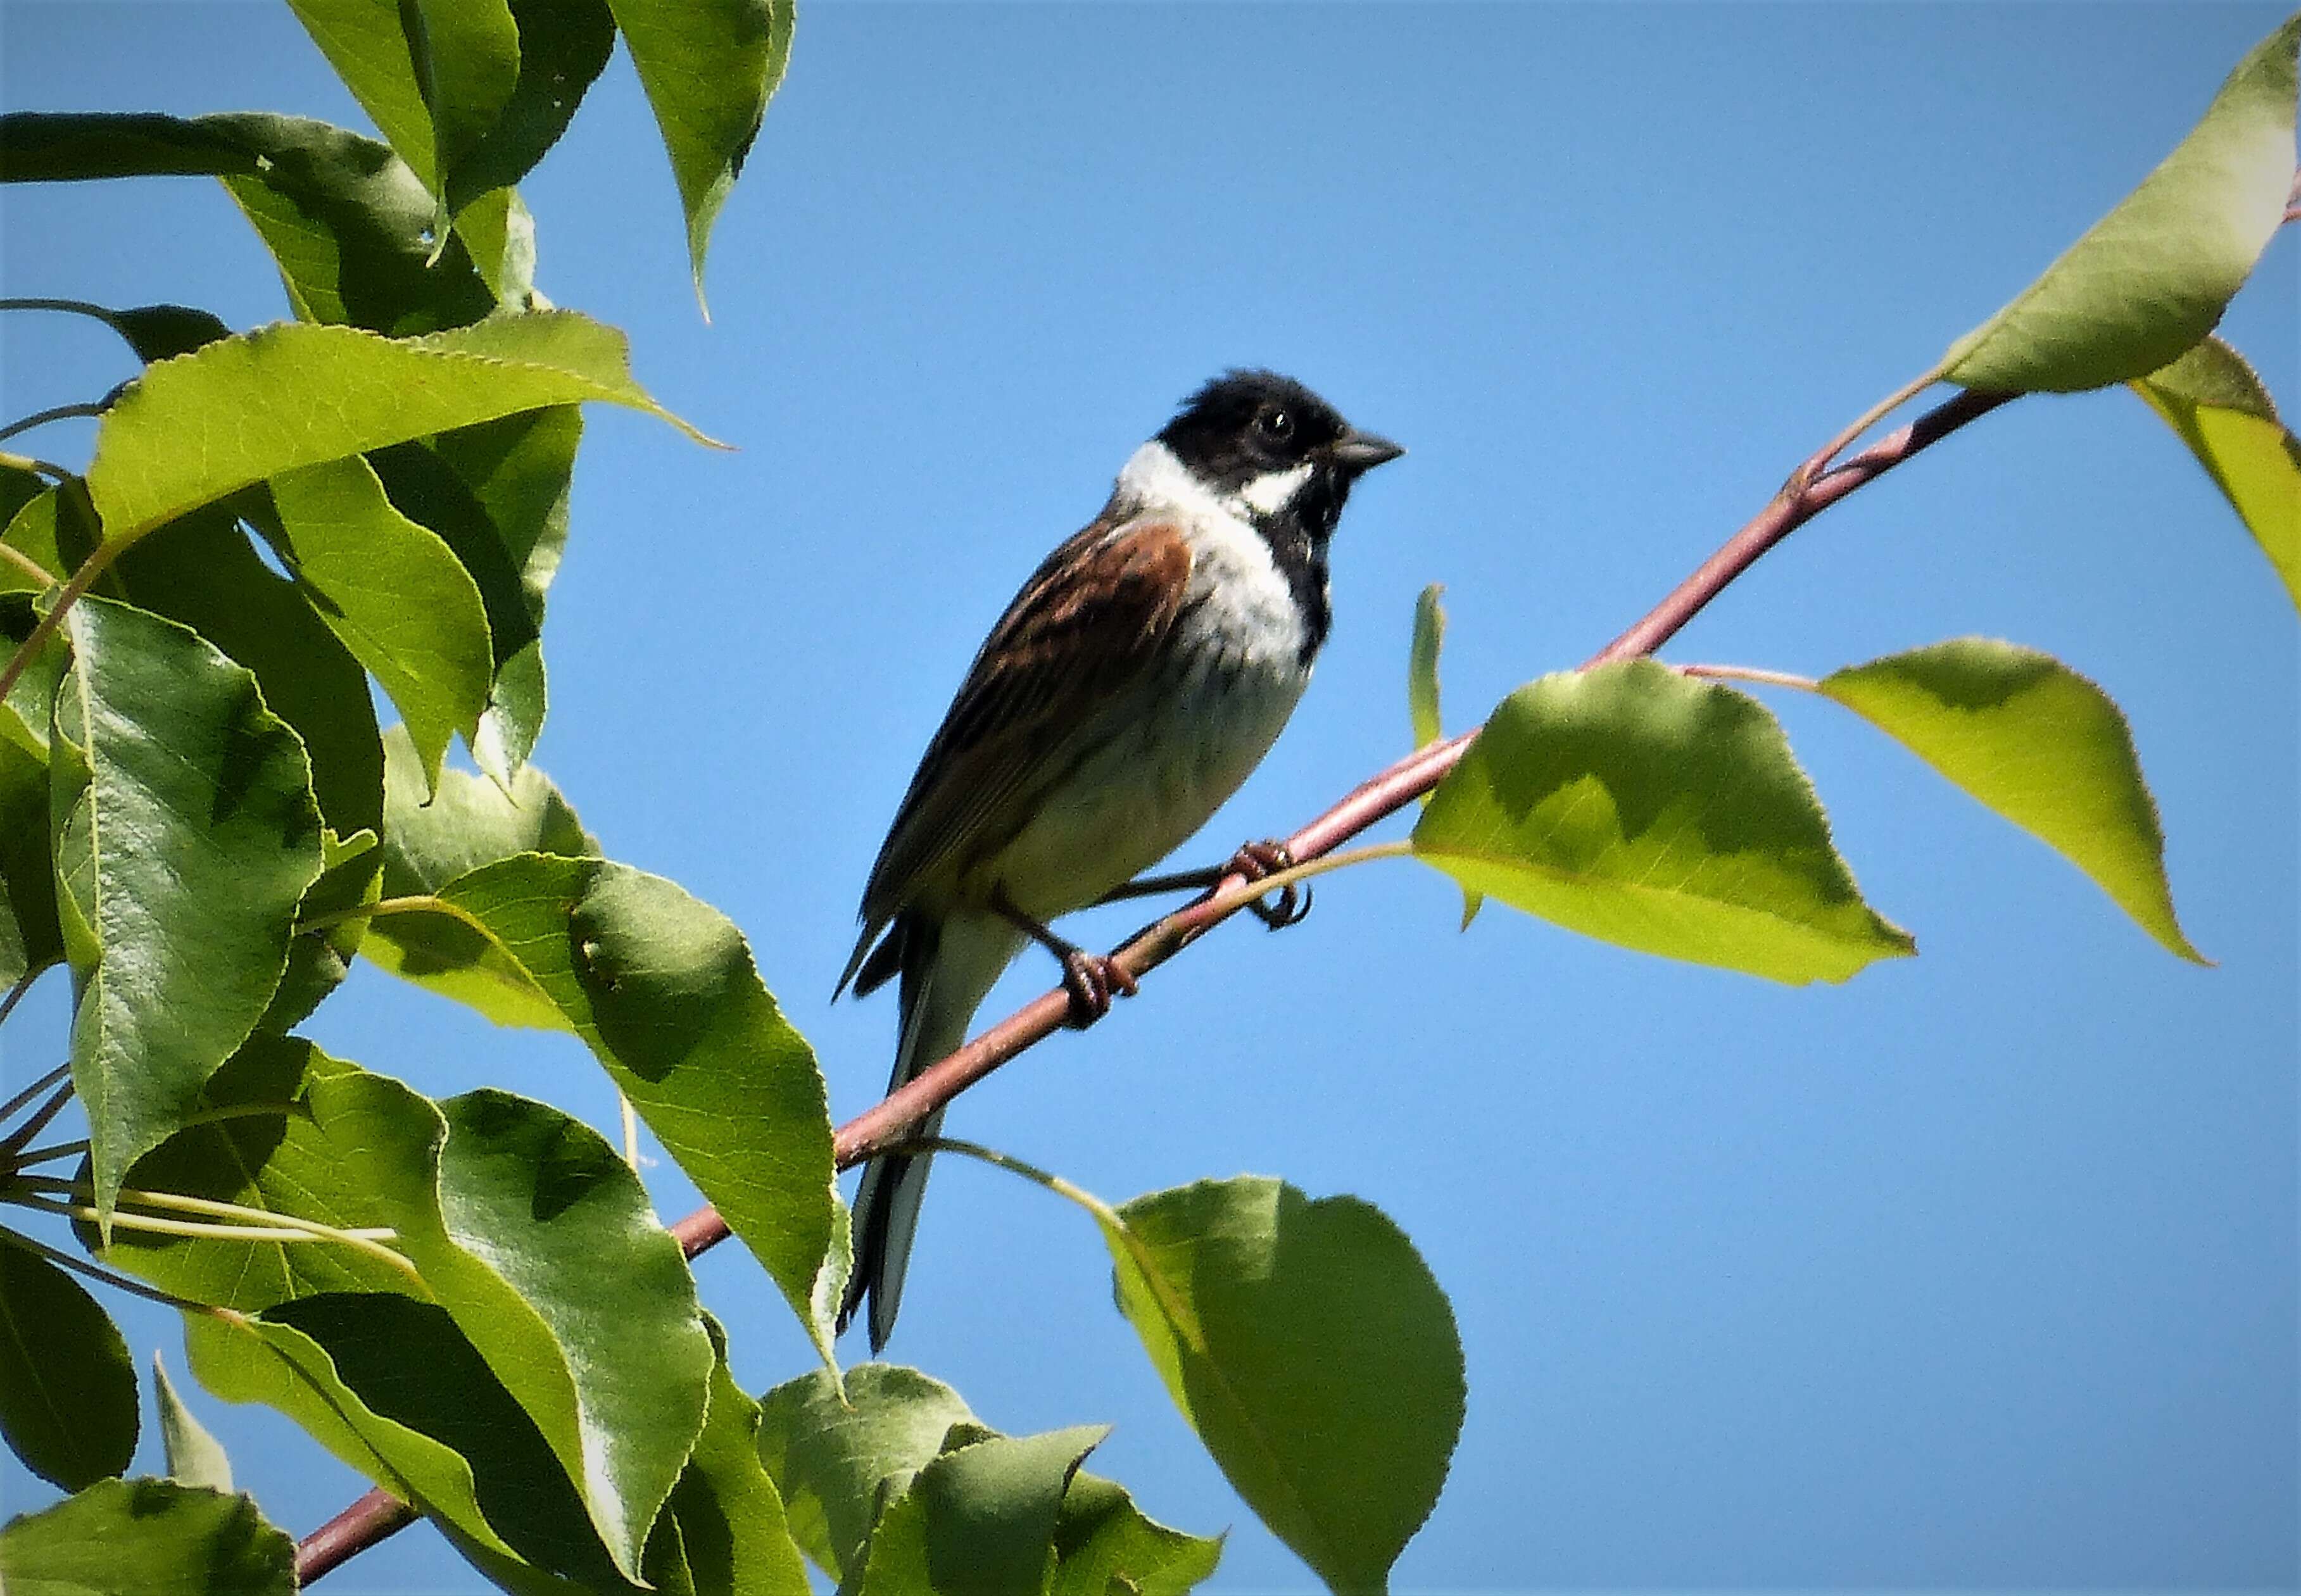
(562, 46)
(2150, 279)
(195, 1456)
(1104, 1543)
(466, 58)
(185, 835)
(146, 1538)
(320, 956)
(347, 222)
(366, 43)
(732, 1538)
(709, 68)
(259, 404)
(836, 1458)
(663, 990)
(56, 529)
(394, 593)
(161, 332)
(391, 1387)
(201, 571)
(1310, 1347)
(29, 937)
(2037, 743)
(979, 1518)
(67, 1388)
(469, 822)
(2213, 399)
(1635, 805)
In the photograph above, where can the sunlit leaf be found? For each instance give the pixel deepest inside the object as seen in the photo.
(980, 1517)
(2150, 279)
(2220, 408)
(67, 1387)
(663, 990)
(709, 68)
(146, 1538)
(366, 42)
(394, 593)
(466, 58)
(1635, 805)
(838, 1455)
(195, 1456)
(259, 404)
(561, 46)
(1311, 1350)
(185, 835)
(2037, 743)
(1422, 698)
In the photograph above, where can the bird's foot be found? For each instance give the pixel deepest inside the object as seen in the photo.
(1091, 979)
(1257, 860)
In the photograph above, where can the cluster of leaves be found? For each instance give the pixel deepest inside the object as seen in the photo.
(469, 1301)
(1663, 811)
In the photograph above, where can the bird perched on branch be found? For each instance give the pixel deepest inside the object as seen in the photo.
(1136, 680)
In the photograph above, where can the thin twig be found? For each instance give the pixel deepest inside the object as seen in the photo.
(1750, 673)
(119, 1282)
(378, 1514)
(54, 413)
(37, 1087)
(23, 1134)
(49, 1154)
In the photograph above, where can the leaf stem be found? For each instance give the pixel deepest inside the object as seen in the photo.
(28, 565)
(422, 903)
(271, 1229)
(54, 413)
(90, 572)
(119, 1283)
(1804, 684)
(16, 991)
(36, 1122)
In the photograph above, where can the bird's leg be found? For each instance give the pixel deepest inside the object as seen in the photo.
(1253, 861)
(1090, 978)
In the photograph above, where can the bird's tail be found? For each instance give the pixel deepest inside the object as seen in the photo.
(948, 966)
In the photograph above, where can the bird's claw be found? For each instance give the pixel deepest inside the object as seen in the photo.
(1257, 860)
(1091, 979)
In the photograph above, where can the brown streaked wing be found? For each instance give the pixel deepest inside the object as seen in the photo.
(1089, 622)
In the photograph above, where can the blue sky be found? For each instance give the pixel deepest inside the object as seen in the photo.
(1980, 1270)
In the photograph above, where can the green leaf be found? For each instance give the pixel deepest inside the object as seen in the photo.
(1105, 1543)
(201, 573)
(365, 41)
(561, 48)
(289, 1162)
(1631, 804)
(1310, 1347)
(394, 593)
(1422, 698)
(468, 823)
(497, 495)
(732, 1537)
(392, 1389)
(186, 834)
(2213, 399)
(259, 404)
(466, 57)
(540, 1243)
(347, 222)
(67, 1388)
(709, 68)
(195, 1456)
(2037, 743)
(56, 529)
(836, 1456)
(30, 938)
(2153, 277)
(979, 1518)
(1422, 666)
(320, 958)
(146, 1538)
(663, 990)
(499, 235)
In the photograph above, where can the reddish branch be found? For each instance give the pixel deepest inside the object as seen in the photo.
(1815, 486)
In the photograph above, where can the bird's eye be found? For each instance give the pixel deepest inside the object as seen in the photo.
(1276, 425)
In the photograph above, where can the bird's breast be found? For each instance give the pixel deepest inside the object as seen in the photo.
(1161, 760)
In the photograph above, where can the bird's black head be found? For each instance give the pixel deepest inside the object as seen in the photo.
(1276, 446)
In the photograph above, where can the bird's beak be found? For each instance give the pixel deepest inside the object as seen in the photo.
(1363, 451)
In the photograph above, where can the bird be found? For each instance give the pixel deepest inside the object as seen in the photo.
(1141, 673)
